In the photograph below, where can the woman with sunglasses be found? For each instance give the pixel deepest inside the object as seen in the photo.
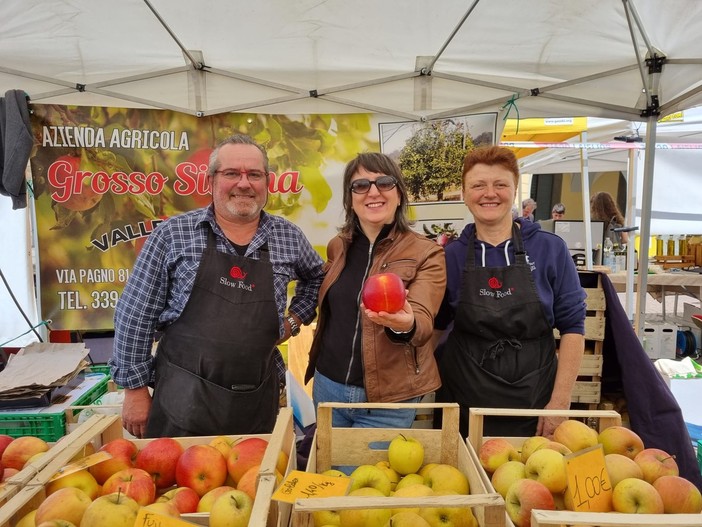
(359, 355)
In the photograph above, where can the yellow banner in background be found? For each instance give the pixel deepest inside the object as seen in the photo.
(552, 130)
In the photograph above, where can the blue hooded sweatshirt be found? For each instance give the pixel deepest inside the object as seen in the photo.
(552, 268)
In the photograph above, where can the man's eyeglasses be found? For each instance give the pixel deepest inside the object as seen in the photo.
(383, 183)
(254, 176)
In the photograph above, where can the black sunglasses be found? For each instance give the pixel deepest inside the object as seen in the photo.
(383, 183)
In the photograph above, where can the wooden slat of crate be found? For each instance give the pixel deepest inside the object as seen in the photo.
(100, 429)
(541, 518)
(594, 327)
(591, 365)
(352, 446)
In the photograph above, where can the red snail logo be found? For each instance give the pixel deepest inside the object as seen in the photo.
(494, 283)
(237, 273)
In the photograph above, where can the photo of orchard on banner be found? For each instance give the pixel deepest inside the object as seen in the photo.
(103, 178)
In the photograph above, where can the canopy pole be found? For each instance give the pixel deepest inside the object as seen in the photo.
(631, 249)
(196, 64)
(585, 191)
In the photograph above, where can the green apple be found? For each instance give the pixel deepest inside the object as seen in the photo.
(321, 518)
(548, 467)
(405, 454)
(370, 476)
(444, 477)
(334, 473)
(448, 516)
(411, 491)
(410, 479)
(391, 473)
(231, 509)
(363, 517)
(406, 519)
(112, 510)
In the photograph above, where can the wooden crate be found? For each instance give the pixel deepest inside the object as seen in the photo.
(588, 387)
(357, 446)
(542, 518)
(100, 428)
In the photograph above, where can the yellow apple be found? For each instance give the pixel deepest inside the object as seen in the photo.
(81, 479)
(231, 509)
(28, 520)
(334, 473)
(206, 502)
(444, 477)
(405, 454)
(56, 523)
(620, 440)
(370, 476)
(525, 495)
(655, 463)
(530, 444)
(391, 473)
(322, 518)
(68, 503)
(364, 517)
(448, 516)
(548, 467)
(426, 468)
(555, 445)
(679, 495)
(411, 491)
(633, 495)
(166, 508)
(574, 434)
(411, 479)
(620, 467)
(112, 510)
(282, 463)
(223, 444)
(506, 474)
(406, 519)
(494, 452)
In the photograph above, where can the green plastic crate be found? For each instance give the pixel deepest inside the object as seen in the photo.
(50, 426)
(99, 368)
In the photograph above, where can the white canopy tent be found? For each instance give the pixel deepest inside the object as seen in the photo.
(624, 59)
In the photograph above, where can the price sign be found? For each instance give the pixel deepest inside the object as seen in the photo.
(300, 484)
(147, 518)
(588, 481)
(82, 464)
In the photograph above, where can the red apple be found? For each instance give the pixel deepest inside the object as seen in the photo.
(21, 449)
(7, 473)
(159, 458)
(123, 452)
(655, 463)
(384, 292)
(496, 451)
(679, 495)
(184, 498)
(620, 440)
(134, 482)
(248, 481)
(244, 455)
(4, 441)
(202, 468)
(523, 496)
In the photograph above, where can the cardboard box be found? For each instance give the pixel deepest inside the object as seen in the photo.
(543, 518)
(659, 340)
(357, 446)
(100, 428)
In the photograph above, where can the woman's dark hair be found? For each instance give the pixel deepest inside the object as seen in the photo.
(378, 164)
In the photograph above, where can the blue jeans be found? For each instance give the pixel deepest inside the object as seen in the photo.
(325, 390)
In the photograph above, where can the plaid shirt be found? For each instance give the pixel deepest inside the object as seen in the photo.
(164, 275)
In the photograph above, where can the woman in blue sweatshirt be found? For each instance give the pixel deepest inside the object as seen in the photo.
(509, 284)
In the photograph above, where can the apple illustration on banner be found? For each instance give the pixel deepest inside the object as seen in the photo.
(384, 292)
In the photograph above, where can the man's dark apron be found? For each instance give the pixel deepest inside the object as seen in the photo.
(501, 352)
(214, 365)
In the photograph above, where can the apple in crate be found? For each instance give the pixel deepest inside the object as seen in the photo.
(548, 467)
(370, 476)
(123, 452)
(18, 452)
(365, 517)
(4, 441)
(231, 509)
(636, 496)
(81, 479)
(159, 458)
(384, 292)
(655, 463)
(184, 498)
(134, 482)
(525, 495)
(679, 495)
(620, 440)
(57, 523)
(574, 434)
(620, 467)
(244, 455)
(405, 454)
(206, 502)
(202, 468)
(69, 503)
(494, 452)
(112, 510)
(445, 477)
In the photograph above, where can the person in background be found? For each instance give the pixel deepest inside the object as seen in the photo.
(509, 284)
(558, 211)
(604, 208)
(214, 281)
(528, 208)
(359, 355)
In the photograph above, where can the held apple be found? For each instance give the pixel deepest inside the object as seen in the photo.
(365, 517)
(494, 452)
(244, 455)
(548, 467)
(184, 498)
(112, 510)
(405, 454)
(525, 495)
(202, 468)
(444, 477)
(620, 440)
(134, 482)
(370, 476)
(69, 503)
(655, 463)
(159, 458)
(231, 509)
(574, 434)
(679, 495)
(384, 292)
(632, 495)
(506, 474)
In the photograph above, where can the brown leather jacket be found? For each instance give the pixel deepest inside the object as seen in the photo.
(393, 371)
